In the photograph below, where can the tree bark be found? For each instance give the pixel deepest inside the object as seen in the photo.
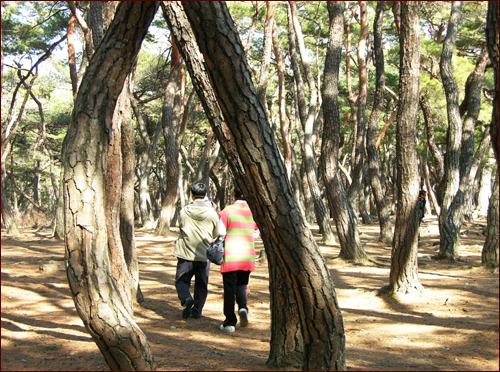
(96, 284)
(371, 135)
(403, 276)
(306, 324)
(96, 22)
(448, 247)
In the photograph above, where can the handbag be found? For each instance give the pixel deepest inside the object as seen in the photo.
(215, 251)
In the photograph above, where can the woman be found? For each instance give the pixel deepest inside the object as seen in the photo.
(239, 228)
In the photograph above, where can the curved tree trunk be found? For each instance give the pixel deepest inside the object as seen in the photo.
(345, 219)
(96, 268)
(371, 135)
(306, 326)
(448, 247)
(403, 277)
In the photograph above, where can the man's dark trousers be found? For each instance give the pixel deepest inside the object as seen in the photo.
(185, 271)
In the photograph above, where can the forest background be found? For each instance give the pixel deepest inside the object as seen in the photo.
(46, 48)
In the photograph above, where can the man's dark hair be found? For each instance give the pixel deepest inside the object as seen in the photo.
(238, 194)
(199, 190)
(422, 193)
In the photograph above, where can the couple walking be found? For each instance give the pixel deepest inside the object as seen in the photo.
(199, 225)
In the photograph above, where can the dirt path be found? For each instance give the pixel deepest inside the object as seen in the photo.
(453, 326)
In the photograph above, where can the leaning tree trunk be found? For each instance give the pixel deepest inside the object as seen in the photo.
(403, 276)
(371, 134)
(448, 229)
(96, 268)
(345, 219)
(306, 325)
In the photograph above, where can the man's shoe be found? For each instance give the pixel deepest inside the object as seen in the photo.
(194, 316)
(243, 313)
(188, 304)
(227, 328)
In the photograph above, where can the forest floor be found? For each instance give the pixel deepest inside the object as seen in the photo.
(453, 326)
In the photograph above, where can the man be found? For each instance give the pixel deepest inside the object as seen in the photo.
(198, 227)
(237, 225)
